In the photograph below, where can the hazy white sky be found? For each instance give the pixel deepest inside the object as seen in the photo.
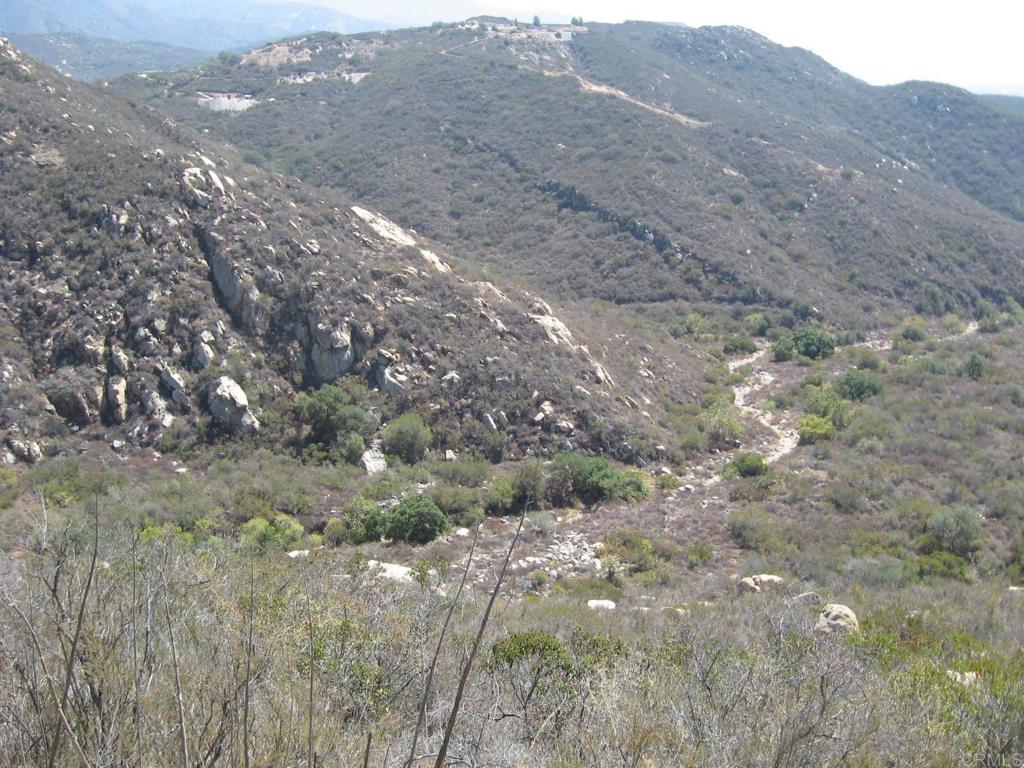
(977, 44)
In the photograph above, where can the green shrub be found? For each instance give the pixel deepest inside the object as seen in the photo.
(697, 554)
(824, 401)
(265, 536)
(739, 345)
(942, 565)
(975, 366)
(754, 529)
(720, 425)
(469, 472)
(362, 521)
(461, 505)
(814, 343)
(815, 429)
(330, 414)
(416, 519)
(667, 482)
(501, 497)
(638, 553)
(540, 650)
(590, 480)
(408, 438)
(336, 532)
(757, 324)
(860, 385)
(865, 359)
(914, 330)
(955, 529)
(747, 465)
(784, 350)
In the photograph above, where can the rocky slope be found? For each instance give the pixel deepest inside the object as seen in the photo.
(155, 284)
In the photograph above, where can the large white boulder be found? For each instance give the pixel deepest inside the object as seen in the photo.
(373, 461)
(229, 406)
(601, 605)
(391, 571)
(836, 618)
(760, 583)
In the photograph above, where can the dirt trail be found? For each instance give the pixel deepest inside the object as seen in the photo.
(591, 87)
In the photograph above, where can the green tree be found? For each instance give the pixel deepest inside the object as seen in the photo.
(536, 21)
(408, 438)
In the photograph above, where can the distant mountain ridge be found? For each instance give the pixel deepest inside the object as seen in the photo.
(216, 26)
(95, 58)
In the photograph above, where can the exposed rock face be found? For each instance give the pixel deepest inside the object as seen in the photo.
(175, 384)
(759, 583)
(202, 355)
(153, 405)
(601, 605)
(242, 299)
(836, 618)
(390, 381)
(229, 406)
(73, 398)
(26, 450)
(331, 353)
(373, 461)
(119, 359)
(116, 404)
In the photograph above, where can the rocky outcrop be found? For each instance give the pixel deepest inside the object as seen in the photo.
(373, 461)
(760, 583)
(176, 386)
(390, 381)
(115, 405)
(73, 398)
(229, 406)
(202, 355)
(25, 450)
(601, 605)
(241, 298)
(836, 618)
(331, 353)
(390, 571)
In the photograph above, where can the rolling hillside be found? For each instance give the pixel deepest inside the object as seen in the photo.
(643, 164)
